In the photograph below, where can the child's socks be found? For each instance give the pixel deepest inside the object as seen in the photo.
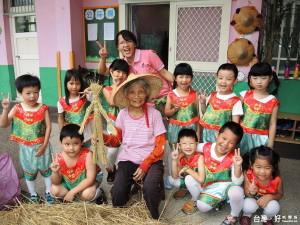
(47, 184)
(31, 187)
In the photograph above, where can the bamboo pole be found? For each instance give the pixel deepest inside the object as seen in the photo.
(71, 57)
(58, 74)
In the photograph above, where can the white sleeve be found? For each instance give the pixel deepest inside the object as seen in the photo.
(237, 109)
(59, 107)
(89, 96)
(235, 180)
(243, 93)
(200, 147)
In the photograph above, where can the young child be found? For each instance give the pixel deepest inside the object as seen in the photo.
(142, 132)
(262, 185)
(31, 127)
(223, 105)
(260, 108)
(71, 108)
(119, 70)
(223, 173)
(190, 165)
(181, 108)
(73, 169)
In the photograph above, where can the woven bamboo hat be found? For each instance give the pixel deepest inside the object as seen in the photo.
(154, 81)
(246, 20)
(240, 51)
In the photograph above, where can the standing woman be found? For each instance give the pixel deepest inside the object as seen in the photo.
(142, 133)
(140, 62)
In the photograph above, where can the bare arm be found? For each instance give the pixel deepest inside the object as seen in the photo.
(102, 69)
(175, 163)
(197, 124)
(87, 182)
(272, 127)
(60, 120)
(236, 118)
(55, 167)
(109, 97)
(167, 75)
(202, 99)
(200, 175)
(6, 116)
(169, 111)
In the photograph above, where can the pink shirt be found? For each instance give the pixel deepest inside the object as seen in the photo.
(138, 141)
(147, 61)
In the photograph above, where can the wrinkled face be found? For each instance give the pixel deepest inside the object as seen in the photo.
(73, 87)
(262, 169)
(188, 145)
(137, 95)
(71, 146)
(118, 76)
(30, 96)
(127, 48)
(226, 142)
(260, 82)
(183, 81)
(225, 81)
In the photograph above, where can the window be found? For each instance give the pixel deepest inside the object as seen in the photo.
(25, 24)
(287, 45)
(12, 7)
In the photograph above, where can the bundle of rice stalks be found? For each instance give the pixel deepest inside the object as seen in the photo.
(77, 213)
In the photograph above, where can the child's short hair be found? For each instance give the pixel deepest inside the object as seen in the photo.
(262, 152)
(27, 80)
(234, 128)
(187, 133)
(229, 66)
(120, 64)
(70, 130)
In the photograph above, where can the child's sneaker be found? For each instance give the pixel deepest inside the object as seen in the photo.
(245, 220)
(190, 207)
(181, 193)
(33, 199)
(268, 222)
(230, 220)
(167, 183)
(49, 199)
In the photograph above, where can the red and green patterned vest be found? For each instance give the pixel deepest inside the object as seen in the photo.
(270, 189)
(75, 111)
(112, 111)
(28, 127)
(257, 115)
(71, 177)
(216, 171)
(218, 112)
(187, 113)
(192, 163)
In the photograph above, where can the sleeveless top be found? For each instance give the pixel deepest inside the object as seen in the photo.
(218, 112)
(29, 127)
(257, 115)
(216, 171)
(75, 111)
(112, 111)
(187, 113)
(192, 163)
(270, 189)
(73, 176)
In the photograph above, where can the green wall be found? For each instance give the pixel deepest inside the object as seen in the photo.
(48, 76)
(7, 78)
(288, 94)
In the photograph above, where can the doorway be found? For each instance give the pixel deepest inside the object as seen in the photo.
(150, 24)
(25, 45)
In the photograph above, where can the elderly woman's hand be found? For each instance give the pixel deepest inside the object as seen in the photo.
(139, 174)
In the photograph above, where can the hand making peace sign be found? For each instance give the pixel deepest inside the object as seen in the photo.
(6, 101)
(202, 97)
(175, 153)
(103, 51)
(237, 159)
(55, 166)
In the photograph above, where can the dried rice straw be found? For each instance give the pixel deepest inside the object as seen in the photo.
(77, 213)
(97, 122)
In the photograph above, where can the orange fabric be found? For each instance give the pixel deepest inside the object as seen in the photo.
(157, 154)
(112, 140)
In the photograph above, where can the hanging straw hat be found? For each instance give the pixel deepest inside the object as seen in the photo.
(240, 52)
(154, 81)
(246, 20)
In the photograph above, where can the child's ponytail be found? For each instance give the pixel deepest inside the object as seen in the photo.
(276, 82)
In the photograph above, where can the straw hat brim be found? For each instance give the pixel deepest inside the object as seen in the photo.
(154, 81)
(240, 52)
(246, 20)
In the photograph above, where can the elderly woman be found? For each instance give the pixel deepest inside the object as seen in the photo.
(140, 62)
(142, 133)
